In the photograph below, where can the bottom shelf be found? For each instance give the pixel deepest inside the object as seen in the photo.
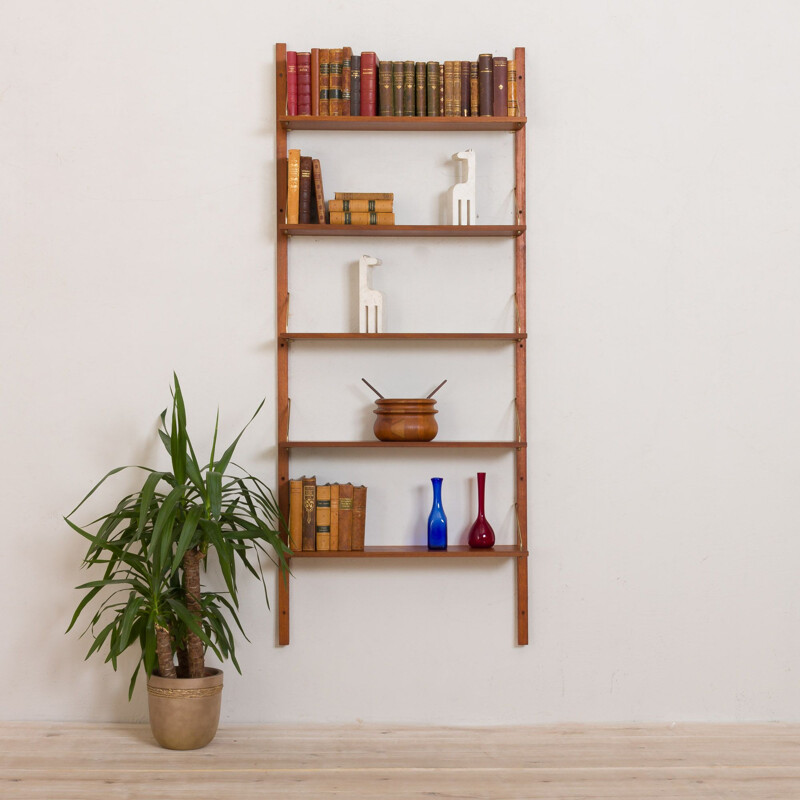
(416, 551)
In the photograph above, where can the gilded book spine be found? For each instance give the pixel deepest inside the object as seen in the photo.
(364, 195)
(359, 517)
(293, 191)
(361, 218)
(441, 89)
(304, 83)
(345, 516)
(372, 206)
(319, 196)
(306, 189)
(408, 89)
(513, 108)
(369, 84)
(309, 513)
(485, 84)
(324, 82)
(355, 86)
(335, 82)
(296, 515)
(385, 90)
(314, 72)
(473, 89)
(291, 83)
(334, 516)
(397, 88)
(500, 93)
(449, 89)
(432, 89)
(347, 78)
(323, 517)
(465, 88)
(421, 104)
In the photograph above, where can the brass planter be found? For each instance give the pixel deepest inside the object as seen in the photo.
(184, 712)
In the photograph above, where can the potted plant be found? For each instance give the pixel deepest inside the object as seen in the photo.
(152, 546)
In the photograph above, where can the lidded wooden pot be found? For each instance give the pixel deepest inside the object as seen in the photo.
(403, 419)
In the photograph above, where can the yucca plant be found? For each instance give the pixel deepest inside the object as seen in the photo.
(152, 547)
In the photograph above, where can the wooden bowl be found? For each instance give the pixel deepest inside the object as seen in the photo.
(403, 419)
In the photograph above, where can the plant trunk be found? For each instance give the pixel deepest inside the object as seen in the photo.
(166, 666)
(183, 662)
(191, 585)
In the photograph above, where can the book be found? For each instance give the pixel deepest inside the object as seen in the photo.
(485, 84)
(319, 197)
(304, 83)
(360, 205)
(314, 72)
(465, 88)
(500, 86)
(385, 90)
(369, 84)
(360, 218)
(420, 81)
(355, 86)
(397, 88)
(306, 190)
(324, 81)
(334, 516)
(291, 83)
(408, 89)
(296, 515)
(364, 195)
(450, 88)
(345, 516)
(359, 517)
(513, 108)
(309, 512)
(441, 89)
(432, 89)
(473, 89)
(335, 82)
(323, 517)
(347, 77)
(293, 193)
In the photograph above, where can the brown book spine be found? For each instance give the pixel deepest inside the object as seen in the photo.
(293, 189)
(485, 84)
(334, 516)
(291, 83)
(432, 89)
(347, 69)
(364, 195)
(369, 84)
(449, 89)
(420, 76)
(473, 89)
(385, 91)
(324, 81)
(323, 517)
(345, 516)
(319, 197)
(465, 88)
(296, 515)
(309, 513)
(359, 517)
(513, 108)
(361, 218)
(500, 86)
(304, 83)
(306, 189)
(441, 89)
(335, 82)
(314, 72)
(355, 86)
(408, 89)
(397, 88)
(373, 206)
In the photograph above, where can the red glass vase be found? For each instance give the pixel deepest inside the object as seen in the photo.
(481, 533)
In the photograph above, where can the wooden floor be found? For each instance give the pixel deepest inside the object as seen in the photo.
(60, 761)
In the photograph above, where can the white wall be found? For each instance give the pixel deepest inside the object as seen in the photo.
(137, 237)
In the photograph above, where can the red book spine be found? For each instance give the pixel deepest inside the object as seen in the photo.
(485, 84)
(303, 83)
(369, 85)
(291, 83)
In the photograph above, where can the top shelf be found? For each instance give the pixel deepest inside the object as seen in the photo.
(312, 123)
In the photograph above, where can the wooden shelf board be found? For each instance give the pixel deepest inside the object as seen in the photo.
(463, 231)
(310, 123)
(416, 551)
(376, 443)
(377, 337)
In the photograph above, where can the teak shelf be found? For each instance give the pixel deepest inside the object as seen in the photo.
(516, 231)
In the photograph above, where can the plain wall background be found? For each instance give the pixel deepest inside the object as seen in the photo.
(137, 236)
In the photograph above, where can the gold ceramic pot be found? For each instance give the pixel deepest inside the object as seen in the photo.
(184, 712)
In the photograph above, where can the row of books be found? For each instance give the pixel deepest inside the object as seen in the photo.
(305, 202)
(329, 517)
(336, 82)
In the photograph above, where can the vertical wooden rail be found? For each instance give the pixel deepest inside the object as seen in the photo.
(520, 359)
(281, 301)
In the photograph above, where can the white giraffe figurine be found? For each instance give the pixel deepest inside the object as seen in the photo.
(464, 193)
(370, 301)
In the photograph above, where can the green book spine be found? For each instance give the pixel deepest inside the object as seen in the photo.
(385, 89)
(408, 89)
(432, 89)
(420, 86)
(397, 88)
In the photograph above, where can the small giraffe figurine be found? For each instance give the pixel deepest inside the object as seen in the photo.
(463, 193)
(370, 301)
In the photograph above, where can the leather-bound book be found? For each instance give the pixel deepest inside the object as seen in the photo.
(441, 89)
(420, 81)
(334, 516)
(291, 83)
(296, 515)
(432, 89)
(465, 88)
(345, 516)
(293, 189)
(319, 197)
(485, 84)
(359, 517)
(408, 89)
(355, 86)
(314, 72)
(369, 84)
(335, 82)
(385, 89)
(456, 88)
(309, 513)
(324, 81)
(500, 86)
(374, 206)
(347, 76)
(364, 195)
(361, 218)
(306, 190)
(449, 88)
(473, 88)
(304, 83)
(397, 88)
(513, 108)
(323, 517)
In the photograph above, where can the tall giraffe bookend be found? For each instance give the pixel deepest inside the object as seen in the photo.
(463, 193)
(370, 301)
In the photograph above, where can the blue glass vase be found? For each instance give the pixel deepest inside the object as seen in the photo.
(437, 521)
